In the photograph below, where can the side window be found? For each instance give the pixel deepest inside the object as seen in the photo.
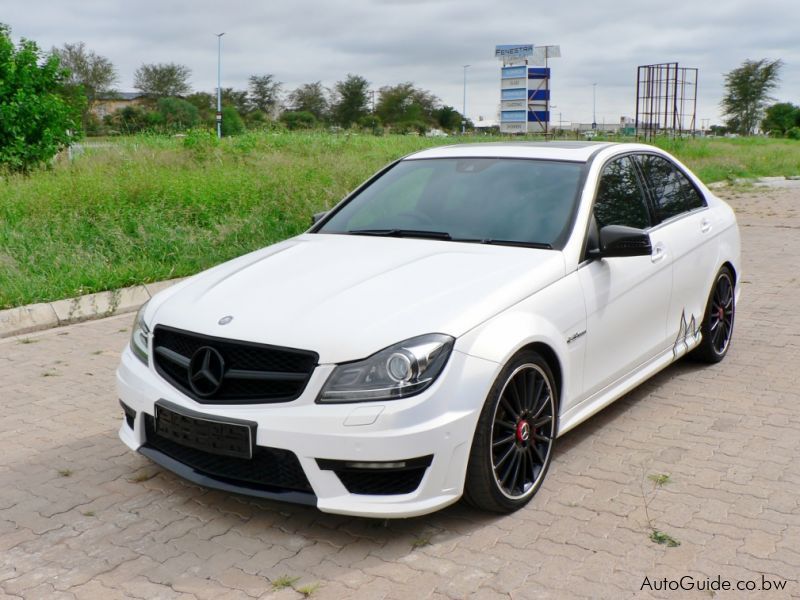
(673, 193)
(620, 200)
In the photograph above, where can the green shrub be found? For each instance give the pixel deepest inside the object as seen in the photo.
(177, 114)
(35, 119)
(298, 119)
(793, 133)
(232, 123)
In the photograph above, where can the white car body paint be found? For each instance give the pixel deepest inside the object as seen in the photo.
(609, 323)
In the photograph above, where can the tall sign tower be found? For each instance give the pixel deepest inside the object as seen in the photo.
(525, 87)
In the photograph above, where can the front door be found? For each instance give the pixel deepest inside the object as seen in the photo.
(627, 298)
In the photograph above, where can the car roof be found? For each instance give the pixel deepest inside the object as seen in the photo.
(569, 151)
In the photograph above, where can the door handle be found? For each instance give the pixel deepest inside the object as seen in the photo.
(705, 225)
(659, 253)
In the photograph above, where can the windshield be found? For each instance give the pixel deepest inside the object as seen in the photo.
(489, 200)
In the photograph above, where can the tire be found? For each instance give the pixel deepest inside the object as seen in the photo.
(513, 442)
(717, 326)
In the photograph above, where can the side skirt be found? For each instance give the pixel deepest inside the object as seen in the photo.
(594, 404)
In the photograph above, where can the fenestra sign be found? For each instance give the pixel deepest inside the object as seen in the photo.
(513, 50)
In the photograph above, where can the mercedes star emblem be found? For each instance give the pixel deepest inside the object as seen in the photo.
(206, 370)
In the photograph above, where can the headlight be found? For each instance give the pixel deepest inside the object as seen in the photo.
(140, 336)
(396, 372)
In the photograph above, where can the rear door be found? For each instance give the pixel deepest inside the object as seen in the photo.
(627, 298)
(685, 225)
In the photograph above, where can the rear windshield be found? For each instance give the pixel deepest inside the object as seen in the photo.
(469, 199)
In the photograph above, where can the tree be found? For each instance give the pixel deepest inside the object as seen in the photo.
(448, 118)
(405, 106)
(177, 114)
(350, 102)
(264, 93)
(35, 120)
(237, 99)
(781, 117)
(162, 80)
(310, 97)
(298, 119)
(747, 90)
(95, 73)
(131, 119)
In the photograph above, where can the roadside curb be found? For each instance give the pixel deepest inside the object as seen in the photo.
(45, 315)
(779, 181)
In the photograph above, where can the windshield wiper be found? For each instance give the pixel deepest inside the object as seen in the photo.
(410, 233)
(521, 244)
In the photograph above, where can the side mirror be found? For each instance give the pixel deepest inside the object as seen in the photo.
(317, 217)
(619, 240)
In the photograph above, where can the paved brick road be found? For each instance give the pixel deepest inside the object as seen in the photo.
(80, 516)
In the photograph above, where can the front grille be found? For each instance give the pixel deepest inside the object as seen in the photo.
(383, 481)
(253, 373)
(272, 468)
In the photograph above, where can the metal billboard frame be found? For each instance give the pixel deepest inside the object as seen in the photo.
(666, 100)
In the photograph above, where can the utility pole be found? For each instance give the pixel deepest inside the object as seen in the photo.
(464, 111)
(219, 84)
(594, 106)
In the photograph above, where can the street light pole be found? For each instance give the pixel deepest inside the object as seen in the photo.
(464, 111)
(594, 106)
(219, 84)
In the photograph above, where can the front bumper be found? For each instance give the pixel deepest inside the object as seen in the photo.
(440, 422)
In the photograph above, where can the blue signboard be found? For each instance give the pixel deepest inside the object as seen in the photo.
(538, 73)
(514, 94)
(512, 116)
(513, 72)
(541, 116)
(542, 95)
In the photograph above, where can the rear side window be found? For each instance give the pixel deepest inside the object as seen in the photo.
(673, 193)
(620, 200)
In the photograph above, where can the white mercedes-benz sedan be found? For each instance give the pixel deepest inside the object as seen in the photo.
(433, 334)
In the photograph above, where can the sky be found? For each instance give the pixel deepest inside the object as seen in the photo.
(427, 42)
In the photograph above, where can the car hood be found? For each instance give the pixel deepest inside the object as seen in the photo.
(346, 296)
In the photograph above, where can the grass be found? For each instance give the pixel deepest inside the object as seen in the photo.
(143, 476)
(659, 479)
(656, 536)
(307, 590)
(665, 539)
(720, 159)
(148, 208)
(421, 541)
(283, 582)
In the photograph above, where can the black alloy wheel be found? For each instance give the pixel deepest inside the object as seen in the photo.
(513, 442)
(717, 326)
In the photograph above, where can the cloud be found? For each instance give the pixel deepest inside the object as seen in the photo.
(428, 42)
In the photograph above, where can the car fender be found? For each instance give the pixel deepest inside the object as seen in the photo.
(555, 317)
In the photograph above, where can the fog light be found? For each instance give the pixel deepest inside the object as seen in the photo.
(375, 465)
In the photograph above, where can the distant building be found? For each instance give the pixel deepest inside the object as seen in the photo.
(487, 125)
(111, 103)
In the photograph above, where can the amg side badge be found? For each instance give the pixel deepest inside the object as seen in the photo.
(575, 336)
